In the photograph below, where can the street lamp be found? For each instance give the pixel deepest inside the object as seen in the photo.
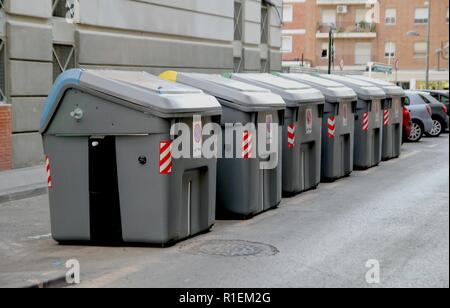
(416, 34)
(427, 78)
(330, 46)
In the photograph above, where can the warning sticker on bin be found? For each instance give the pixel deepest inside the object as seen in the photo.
(345, 115)
(397, 109)
(269, 130)
(309, 121)
(377, 111)
(197, 137)
(165, 157)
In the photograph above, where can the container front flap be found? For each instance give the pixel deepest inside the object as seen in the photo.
(365, 90)
(333, 91)
(293, 93)
(390, 89)
(238, 95)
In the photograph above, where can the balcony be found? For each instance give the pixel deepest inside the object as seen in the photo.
(346, 2)
(348, 30)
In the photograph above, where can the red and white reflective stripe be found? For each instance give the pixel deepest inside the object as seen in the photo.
(291, 136)
(247, 145)
(331, 127)
(387, 115)
(49, 172)
(165, 157)
(366, 122)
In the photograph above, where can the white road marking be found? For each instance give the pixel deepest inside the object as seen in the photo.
(40, 237)
(410, 154)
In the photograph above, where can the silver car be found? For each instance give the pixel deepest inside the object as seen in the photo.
(420, 114)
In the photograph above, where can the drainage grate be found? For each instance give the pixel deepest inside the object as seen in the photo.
(233, 248)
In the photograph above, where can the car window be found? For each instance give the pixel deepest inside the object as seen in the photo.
(407, 101)
(444, 99)
(429, 99)
(415, 99)
(425, 98)
(435, 95)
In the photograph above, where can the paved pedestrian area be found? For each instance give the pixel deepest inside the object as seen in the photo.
(396, 214)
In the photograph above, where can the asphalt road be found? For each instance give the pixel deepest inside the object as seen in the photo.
(396, 214)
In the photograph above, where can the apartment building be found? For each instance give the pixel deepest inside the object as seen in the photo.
(391, 32)
(41, 38)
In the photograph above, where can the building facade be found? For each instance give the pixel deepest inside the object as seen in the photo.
(41, 38)
(392, 32)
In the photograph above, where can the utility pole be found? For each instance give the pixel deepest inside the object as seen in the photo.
(330, 46)
(427, 78)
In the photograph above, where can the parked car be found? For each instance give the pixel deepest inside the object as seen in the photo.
(420, 115)
(407, 124)
(439, 114)
(441, 96)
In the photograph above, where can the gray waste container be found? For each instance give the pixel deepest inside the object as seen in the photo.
(243, 188)
(338, 125)
(112, 178)
(302, 130)
(392, 116)
(368, 121)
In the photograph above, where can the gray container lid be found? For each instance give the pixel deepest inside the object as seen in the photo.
(234, 94)
(364, 90)
(390, 89)
(293, 93)
(138, 90)
(334, 92)
(148, 91)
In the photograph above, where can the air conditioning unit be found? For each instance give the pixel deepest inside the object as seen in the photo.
(342, 9)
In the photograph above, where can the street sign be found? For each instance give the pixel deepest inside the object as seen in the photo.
(397, 64)
(382, 68)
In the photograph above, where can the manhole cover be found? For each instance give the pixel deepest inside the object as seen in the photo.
(233, 248)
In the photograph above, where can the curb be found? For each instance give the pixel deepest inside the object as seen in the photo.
(24, 193)
(57, 282)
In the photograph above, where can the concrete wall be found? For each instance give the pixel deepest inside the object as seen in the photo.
(150, 35)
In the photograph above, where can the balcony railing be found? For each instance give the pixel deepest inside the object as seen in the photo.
(357, 29)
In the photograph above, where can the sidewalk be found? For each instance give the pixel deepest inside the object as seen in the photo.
(22, 183)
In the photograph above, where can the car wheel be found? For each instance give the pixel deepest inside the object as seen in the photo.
(438, 128)
(416, 132)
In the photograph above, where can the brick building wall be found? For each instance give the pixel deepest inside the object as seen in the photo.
(5, 137)
(405, 22)
(307, 16)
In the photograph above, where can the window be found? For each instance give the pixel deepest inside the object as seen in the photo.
(391, 17)
(264, 66)
(389, 49)
(407, 101)
(363, 16)
(237, 21)
(324, 53)
(59, 8)
(420, 50)
(63, 59)
(286, 44)
(421, 16)
(238, 65)
(288, 13)
(363, 53)
(264, 24)
(2, 72)
(329, 17)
